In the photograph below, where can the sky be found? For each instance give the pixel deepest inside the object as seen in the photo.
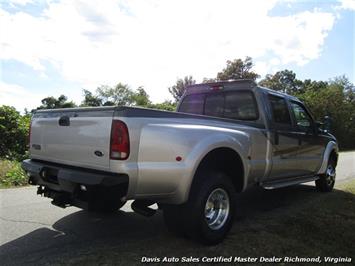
(54, 47)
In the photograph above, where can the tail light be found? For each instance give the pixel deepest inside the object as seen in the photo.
(119, 147)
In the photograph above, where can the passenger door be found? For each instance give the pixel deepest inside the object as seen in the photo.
(285, 142)
(311, 146)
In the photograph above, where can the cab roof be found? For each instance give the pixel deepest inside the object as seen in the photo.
(231, 85)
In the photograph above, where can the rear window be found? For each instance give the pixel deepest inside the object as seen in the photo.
(239, 105)
(214, 105)
(193, 104)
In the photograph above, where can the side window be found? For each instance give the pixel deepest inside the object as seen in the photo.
(193, 104)
(214, 105)
(279, 109)
(303, 120)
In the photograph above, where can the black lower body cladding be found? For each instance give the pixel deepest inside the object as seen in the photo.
(80, 187)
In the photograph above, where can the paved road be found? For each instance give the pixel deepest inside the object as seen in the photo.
(346, 166)
(32, 230)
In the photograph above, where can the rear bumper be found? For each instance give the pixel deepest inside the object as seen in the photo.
(65, 178)
(56, 180)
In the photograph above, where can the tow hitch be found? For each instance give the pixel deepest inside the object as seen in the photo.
(60, 199)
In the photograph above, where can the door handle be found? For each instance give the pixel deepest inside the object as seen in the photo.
(64, 121)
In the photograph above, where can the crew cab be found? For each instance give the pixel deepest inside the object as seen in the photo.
(224, 138)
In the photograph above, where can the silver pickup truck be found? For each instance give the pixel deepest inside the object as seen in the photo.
(224, 138)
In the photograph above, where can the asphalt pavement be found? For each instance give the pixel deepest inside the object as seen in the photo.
(32, 230)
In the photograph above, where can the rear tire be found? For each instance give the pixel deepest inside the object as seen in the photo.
(208, 214)
(326, 181)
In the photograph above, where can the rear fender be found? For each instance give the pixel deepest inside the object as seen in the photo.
(239, 143)
(162, 175)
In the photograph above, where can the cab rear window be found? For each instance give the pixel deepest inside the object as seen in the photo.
(193, 104)
(239, 105)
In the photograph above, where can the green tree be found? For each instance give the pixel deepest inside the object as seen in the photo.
(54, 103)
(238, 69)
(312, 85)
(141, 97)
(166, 105)
(208, 80)
(178, 89)
(90, 99)
(283, 81)
(334, 99)
(13, 133)
(121, 94)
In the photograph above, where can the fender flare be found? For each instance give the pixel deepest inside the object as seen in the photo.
(331, 146)
(223, 143)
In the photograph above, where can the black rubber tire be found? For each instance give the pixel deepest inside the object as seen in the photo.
(189, 219)
(323, 184)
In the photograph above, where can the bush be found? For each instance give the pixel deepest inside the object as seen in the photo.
(13, 133)
(11, 174)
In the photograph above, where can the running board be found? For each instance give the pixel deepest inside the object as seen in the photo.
(287, 182)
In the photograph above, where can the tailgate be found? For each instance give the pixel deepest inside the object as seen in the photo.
(79, 137)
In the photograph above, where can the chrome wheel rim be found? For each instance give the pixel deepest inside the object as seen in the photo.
(330, 175)
(217, 209)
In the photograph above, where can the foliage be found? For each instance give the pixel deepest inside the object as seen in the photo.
(54, 103)
(166, 105)
(283, 81)
(121, 94)
(336, 100)
(90, 99)
(238, 69)
(208, 80)
(11, 174)
(178, 89)
(13, 133)
(141, 97)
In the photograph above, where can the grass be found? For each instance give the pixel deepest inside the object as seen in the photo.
(294, 221)
(11, 174)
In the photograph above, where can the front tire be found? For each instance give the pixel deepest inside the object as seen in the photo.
(326, 181)
(209, 212)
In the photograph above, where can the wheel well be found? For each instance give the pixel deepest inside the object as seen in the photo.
(334, 155)
(227, 161)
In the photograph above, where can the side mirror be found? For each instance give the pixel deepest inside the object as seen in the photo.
(327, 124)
(319, 126)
